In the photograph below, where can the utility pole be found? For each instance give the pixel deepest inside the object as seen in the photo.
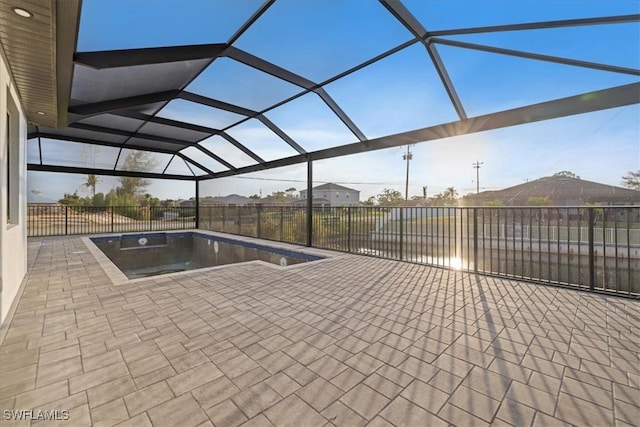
(476, 166)
(407, 156)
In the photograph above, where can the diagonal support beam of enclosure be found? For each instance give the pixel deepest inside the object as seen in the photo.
(215, 157)
(257, 14)
(536, 56)
(286, 138)
(241, 147)
(210, 102)
(619, 19)
(340, 113)
(189, 160)
(290, 77)
(406, 18)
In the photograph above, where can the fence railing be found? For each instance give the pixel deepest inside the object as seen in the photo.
(56, 220)
(596, 248)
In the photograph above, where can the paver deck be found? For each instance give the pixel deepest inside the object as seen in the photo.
(348, 341)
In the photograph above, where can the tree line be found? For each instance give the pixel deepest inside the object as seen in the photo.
(450, 197)
(131, 191)
(391, 197)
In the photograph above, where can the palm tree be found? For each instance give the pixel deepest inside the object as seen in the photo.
(450, 195)
(290, 191)
(91, 182)
(632, 180)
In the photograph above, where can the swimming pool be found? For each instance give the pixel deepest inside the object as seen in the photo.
(152, 254)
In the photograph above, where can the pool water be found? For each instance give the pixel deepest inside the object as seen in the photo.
(152, 254)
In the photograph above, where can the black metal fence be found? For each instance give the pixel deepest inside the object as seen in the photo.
(596, 248)
(281, 223)
(56, 220)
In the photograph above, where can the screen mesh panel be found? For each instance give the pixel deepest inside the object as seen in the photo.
(285, 82)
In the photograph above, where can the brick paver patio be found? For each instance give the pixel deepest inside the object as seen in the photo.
(348, 341)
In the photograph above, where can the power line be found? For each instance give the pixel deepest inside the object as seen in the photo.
(579, 141)
(610, 119)
(322, 182)
(414, 185)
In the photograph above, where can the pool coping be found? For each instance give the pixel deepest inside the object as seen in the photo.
(117, 277)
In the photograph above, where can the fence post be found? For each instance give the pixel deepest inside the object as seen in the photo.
(258, 227)
(197, 218)
(224, 218)
(475, 239)
(592, 275)
(310, 203)
(111, 209)
(349, 229)
(281, 223)
(239, 219)
(455, 237)
(66, 220)
(401, 230)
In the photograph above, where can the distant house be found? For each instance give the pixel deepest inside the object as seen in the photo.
(561, 191)
(336, 195)
(38, 199)
(38, 204)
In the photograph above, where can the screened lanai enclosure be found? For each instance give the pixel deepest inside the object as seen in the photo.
(204, 91)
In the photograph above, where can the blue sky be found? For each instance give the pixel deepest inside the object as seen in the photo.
(319, 39)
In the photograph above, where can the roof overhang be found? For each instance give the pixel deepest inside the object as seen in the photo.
(39, 50)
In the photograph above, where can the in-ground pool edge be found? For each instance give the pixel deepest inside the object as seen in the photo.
(117, 277)
(114, 274)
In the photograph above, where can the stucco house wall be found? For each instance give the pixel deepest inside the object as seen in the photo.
(13, 189)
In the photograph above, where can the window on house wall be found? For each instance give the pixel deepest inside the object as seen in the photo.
(8, 177)
(13, 163)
